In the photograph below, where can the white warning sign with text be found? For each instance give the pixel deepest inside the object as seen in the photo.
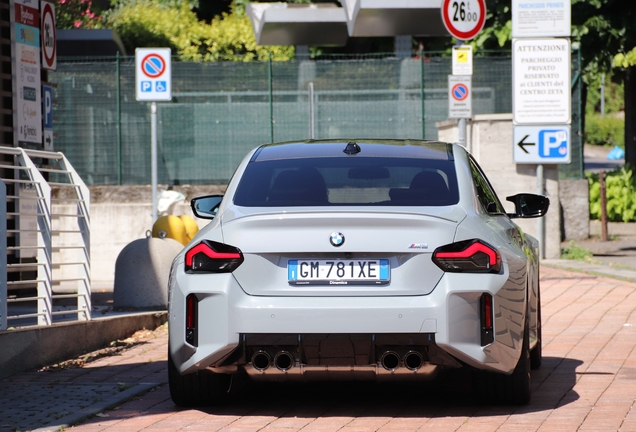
(541, 81)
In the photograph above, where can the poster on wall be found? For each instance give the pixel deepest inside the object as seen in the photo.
(27, 109)
(27, 101)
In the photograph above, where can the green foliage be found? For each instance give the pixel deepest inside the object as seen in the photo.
(72, 14)
(621, 195)
(625, 60)
(144, 23)
(576, 252)
(607, 131)
(614, 94)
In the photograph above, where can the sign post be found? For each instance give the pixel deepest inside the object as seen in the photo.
(463, 20)
(47, 96)
(49, 36)
(460, 97)
(153, 82)
(541, 94)
(541, 81)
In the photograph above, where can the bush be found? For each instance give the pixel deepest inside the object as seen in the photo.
(621, 195)
(608, 130)
(144, 23)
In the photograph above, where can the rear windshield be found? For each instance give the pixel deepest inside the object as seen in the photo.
(352, 181)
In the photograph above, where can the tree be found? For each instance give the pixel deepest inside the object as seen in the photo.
(606, 30)
(72, 14)
(174, 24)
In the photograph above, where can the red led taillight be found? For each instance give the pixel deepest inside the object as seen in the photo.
(487, 329)
(212, 257)
(469, 256)
(192, 304)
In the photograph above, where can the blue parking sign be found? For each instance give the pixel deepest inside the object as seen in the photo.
(553, 143)
(47, 102)
(153, 74)
(542, 144)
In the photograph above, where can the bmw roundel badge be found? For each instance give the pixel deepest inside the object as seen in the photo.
(337, 239)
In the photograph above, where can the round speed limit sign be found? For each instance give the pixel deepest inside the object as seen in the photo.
(464, 19)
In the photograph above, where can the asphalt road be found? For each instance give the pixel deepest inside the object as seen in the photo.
(587, 383)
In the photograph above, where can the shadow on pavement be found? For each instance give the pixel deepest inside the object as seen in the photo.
(450, 394)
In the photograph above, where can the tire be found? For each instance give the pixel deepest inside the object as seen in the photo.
(536, 355)
(197, 389)
(514, 389)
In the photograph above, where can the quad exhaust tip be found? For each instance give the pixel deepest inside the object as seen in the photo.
(284, 361)
(261, 360)
(413, 360)
(390, 360)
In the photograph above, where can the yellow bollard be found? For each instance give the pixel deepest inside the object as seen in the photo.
(170, 227)
(191, 227)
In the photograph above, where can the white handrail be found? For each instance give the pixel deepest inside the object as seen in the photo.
(3, 257)
(44, 235)
(38, 207)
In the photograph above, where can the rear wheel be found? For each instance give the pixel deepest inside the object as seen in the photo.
(197, 389)
(511, 389)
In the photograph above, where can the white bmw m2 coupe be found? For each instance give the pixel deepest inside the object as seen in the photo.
(356, 259)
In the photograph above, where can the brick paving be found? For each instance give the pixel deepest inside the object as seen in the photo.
(587, 382)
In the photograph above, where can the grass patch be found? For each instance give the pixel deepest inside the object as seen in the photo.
(576, 252)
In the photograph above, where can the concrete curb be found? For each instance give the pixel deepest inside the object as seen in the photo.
(113, 401)
(29, 348)
(594, 269)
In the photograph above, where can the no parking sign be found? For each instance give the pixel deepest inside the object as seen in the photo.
(460, 104)
(153, 74)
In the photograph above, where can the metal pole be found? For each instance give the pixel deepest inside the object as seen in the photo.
(541, 220)
(119, 168)
(311, 110)
(422, 93)
(271, 98)
(603, 95)
(153, 157)
(461, 128)
(461, 124)
(601, 178)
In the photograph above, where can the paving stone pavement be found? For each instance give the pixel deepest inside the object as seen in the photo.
(53, 398)
(587, 382)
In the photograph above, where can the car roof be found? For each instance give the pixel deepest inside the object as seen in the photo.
(407, 148)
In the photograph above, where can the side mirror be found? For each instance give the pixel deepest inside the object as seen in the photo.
(205, 207)
(529, 205)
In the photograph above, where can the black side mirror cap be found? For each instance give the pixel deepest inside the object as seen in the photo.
(529, 205)
(205, 207)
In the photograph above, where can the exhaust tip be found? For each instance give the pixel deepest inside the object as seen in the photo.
(390, 360)
(261, 360)
(284, 361)
(413, 360)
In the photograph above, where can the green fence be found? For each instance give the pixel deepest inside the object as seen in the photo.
(221, 110)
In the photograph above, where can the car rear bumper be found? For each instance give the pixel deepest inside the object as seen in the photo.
(451, 313)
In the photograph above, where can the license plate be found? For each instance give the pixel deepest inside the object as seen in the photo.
(338, 272)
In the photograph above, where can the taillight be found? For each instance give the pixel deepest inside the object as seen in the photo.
(212, 257)
(487, 330)
(192, 304)
(468, 256)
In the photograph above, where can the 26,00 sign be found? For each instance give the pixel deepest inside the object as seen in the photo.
(464, 19)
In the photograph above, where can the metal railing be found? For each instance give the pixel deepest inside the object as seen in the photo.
(48, 244)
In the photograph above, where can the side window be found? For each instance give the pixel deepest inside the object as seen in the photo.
(485, 193)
